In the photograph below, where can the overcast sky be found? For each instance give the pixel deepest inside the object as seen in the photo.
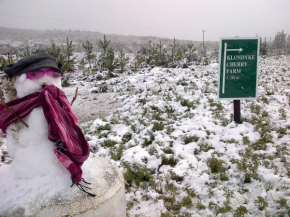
(183, 19)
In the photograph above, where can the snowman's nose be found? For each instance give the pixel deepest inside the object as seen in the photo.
(43, 85)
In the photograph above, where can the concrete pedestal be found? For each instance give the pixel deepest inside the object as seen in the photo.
(107, 184)
(108, 188)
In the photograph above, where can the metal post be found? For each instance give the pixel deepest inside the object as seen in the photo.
(237, 111)
(269, 47)
(203, 40)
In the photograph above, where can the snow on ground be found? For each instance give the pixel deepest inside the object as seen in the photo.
(180, 151)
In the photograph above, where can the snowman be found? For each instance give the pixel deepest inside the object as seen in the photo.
(50, 153)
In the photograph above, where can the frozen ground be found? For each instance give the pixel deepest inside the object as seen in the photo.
(88, 106)
(180, 151)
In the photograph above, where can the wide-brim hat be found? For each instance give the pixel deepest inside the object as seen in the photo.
(36, 61)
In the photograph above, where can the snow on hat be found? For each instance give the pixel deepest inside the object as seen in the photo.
(37, 60)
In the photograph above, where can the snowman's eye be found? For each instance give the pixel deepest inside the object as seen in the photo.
(52, 73)
(56, 74)
(35, 75)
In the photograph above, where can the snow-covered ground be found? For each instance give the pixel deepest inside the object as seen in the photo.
(179, 149)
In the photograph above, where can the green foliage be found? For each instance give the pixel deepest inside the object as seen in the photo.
(157, 126)
(187, 103)
(88, 46)
(190, 52)
(264, 99)
(189, 139)
(157, 116)
(223, 177)
(260, 144)
(248, 164)
(221, 209)
(232, 141)
(62, 59)
(175, 177)
(288, 44)
(104, 127)
(146, 141)
(191, 191)
(261, 203)
(215, 165)
(65, 81)
(3, 63)
(241, 211)
(168, 150)
(171, 161)
(282, 114)
(279, 41)
(68, 61)
(174, 50)
(170, 203)
(246, 140)
(186, 202)
(122, 61)
(281, 150)
(205, 147)
(152, 151)
(182, 82)
(27, 50)
(215, 106)
(169, 130)
(166, 214)
(281, 132)
(255, 108)
(3, 156)
(117, 152)
(282, 202)
(200, 206)
(106, 60)
(152, 54)
(108, 143)
(136, 174)
(161, 55)
(55, 51)
(138, 60)
(126, 137)
(263, 47)
(10, 59)
(102, 130)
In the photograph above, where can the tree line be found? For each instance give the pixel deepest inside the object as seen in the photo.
(110, 59)
(279, 45)
(152, 54)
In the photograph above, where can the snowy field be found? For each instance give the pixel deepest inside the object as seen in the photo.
(179, 149)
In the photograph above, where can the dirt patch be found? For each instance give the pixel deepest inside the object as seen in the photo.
(89, 106)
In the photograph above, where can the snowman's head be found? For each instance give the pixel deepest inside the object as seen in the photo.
(35, 72)
(36, 80)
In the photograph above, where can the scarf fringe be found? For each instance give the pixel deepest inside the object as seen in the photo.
(82, 187)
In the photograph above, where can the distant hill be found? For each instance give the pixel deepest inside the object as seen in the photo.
(16, 38)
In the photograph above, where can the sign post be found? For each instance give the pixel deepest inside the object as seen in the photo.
(237, 111)
(238, 72)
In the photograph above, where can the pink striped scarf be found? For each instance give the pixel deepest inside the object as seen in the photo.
(71, 148)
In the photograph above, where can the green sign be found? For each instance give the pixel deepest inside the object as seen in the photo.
(238, 73)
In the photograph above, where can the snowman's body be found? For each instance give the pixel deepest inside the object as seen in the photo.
(35, 173)
(36, 183)
(36, 133)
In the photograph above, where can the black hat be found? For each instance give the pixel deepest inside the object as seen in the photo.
(36, 61)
